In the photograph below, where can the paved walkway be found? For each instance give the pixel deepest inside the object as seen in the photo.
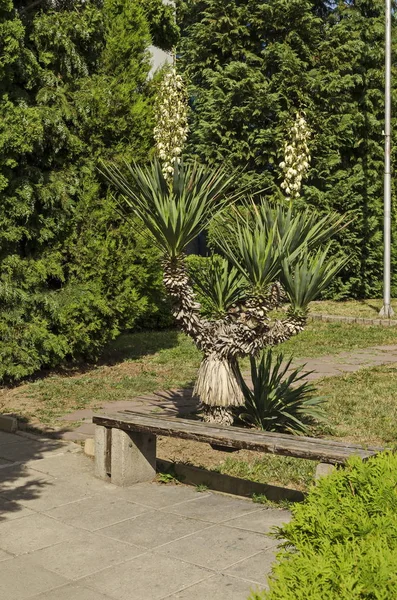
(180, 403)
(66, 535)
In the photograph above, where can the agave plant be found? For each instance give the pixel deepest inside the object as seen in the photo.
(277, 401)
(271, 256)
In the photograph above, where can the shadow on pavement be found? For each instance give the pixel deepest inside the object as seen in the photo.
(18, 481)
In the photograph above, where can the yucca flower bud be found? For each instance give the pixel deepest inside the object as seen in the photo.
(297, 158)
(171, 128)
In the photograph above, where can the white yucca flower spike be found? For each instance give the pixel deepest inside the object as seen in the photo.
(171, 128)
(296, 162)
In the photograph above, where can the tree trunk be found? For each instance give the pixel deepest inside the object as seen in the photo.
(218, 387)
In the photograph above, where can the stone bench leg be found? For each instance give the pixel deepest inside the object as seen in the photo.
(102, 452)
(132, 457)
(322, 470)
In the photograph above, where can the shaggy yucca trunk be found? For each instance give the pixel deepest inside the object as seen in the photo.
(218, 386)
(244, 332)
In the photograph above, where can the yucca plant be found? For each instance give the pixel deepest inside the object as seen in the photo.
(271, 255)
(277, 401)
(222, 286)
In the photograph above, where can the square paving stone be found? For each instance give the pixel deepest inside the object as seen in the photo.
(21, 579)
(153, 529)
(74, 436)
(12, 510)
(79, 415)
(33, 533)
(215, 508)
(63, 465)
(87, 429)
(5, 555)
(97, 512)
(8, 438)
(256, 568)
(84, 554)
(71, 591)
(27, 449)
(261, 521)
(55, 493)
(158, 495)
(217, 547)
(18, 484)
(147, 577)
(218, 587)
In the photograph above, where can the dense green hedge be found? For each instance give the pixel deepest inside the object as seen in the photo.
(74, 88)
(342, 541)
(251, 65)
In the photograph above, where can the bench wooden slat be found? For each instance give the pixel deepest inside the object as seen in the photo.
(326, 451)
(226, 429)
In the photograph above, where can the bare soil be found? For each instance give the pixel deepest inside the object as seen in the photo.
(197, 453)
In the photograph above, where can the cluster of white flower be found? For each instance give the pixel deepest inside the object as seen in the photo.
(171, 129)
(297, 157)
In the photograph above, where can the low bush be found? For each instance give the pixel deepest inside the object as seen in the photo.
(342, 541)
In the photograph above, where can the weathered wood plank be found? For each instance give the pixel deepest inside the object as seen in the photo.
(327, 451)
(287, 436)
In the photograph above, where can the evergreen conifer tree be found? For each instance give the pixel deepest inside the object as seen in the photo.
(252, 65)
(73, 88)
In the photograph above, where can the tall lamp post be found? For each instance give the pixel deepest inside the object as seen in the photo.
(387, 310)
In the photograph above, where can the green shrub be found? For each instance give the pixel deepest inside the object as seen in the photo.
(342, 541)
(72, 273)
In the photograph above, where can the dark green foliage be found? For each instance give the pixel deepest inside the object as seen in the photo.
(342, 541)
(276, 402)
(252, 64)
(73, 88)
(163, 28)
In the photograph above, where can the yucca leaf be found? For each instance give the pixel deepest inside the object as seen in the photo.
(305, 279)
(223, 286)
(275, 402)
(174, 215)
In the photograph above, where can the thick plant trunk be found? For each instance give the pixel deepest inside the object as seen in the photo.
(218, 387)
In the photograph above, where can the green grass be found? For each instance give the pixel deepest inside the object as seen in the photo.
(142, 363)
(362, 406)
(320, 338)
(137, 364)
(271, 469)
(351, 308)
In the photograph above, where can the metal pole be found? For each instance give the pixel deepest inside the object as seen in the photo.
(387, 310)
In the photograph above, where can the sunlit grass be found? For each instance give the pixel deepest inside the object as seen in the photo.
(351, 308)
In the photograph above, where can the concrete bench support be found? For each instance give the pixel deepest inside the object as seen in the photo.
(102, 452)
(322, 470)
(124, 457)
(133, 457)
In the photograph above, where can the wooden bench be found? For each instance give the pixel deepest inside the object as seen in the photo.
(125, 444)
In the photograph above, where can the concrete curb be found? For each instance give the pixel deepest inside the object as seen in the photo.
(9, 424)
(356, 320)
